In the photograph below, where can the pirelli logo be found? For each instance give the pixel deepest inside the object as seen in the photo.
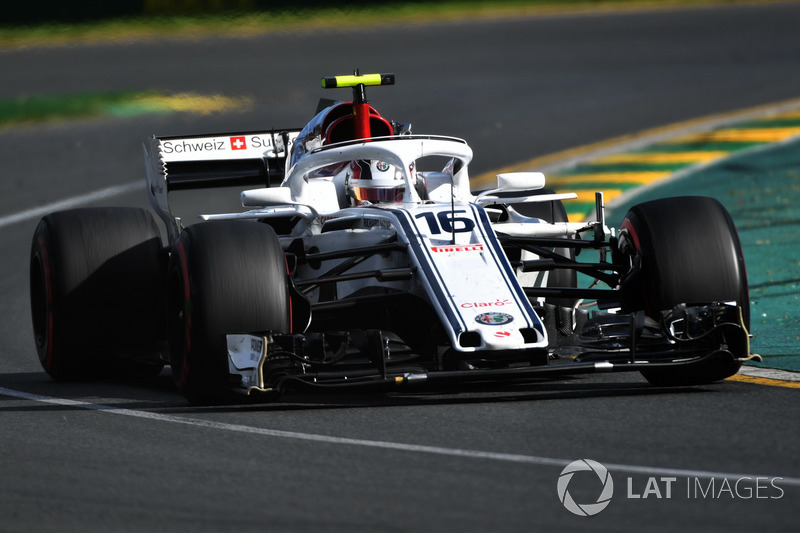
(458, 248)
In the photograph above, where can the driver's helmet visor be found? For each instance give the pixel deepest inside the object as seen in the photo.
(376, 193)
(375, 182)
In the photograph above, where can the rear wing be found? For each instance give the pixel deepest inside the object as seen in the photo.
(249, 159)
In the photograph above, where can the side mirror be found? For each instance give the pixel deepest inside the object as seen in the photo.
(519, 181)
(512, 182)
(267, 196)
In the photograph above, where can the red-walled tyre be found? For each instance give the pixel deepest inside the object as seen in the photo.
(223, 277)
(97, 293)
(689, 252)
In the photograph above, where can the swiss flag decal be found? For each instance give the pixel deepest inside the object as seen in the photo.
(238, 143)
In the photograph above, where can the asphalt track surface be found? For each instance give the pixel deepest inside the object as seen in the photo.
(135, 457)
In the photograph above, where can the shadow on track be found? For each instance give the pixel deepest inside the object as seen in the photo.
(159, 395)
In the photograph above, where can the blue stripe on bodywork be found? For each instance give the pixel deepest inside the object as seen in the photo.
(429, 269)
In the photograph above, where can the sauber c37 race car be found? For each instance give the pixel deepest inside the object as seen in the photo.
(364, 259)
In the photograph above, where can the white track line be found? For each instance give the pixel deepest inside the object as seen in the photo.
(413, 448)
(75, 201)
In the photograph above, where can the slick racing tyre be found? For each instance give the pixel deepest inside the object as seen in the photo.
(97, 293)
(689, 252)
(224, 277)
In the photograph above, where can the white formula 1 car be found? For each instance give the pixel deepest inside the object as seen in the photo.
(365, 259)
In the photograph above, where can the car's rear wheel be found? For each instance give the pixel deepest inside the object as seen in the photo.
(224, 277)
(97, 293)
(688, 252)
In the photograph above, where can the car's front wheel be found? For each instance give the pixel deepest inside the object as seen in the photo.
(686, 250)
(224, 277)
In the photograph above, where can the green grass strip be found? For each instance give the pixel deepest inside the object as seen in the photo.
(242, 25)
(40, 108)
(49, 107)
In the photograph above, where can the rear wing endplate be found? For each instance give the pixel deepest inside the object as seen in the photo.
(252, 159)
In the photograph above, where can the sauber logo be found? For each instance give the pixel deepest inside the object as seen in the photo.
(458, 248)
(238, 143)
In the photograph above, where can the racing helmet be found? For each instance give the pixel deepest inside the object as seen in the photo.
(375, 182)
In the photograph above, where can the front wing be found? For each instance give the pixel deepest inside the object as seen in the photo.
(686, 336)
